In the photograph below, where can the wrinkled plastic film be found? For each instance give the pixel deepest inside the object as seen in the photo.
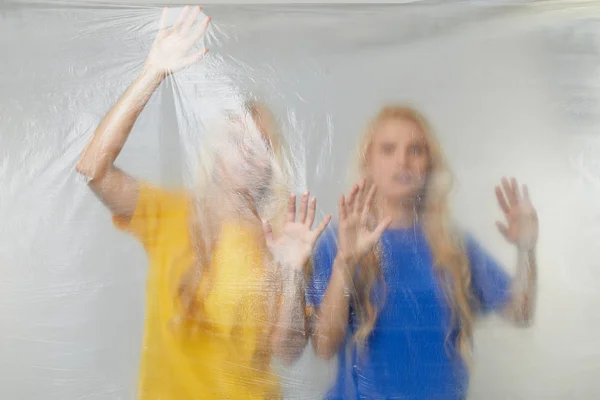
(510, 89)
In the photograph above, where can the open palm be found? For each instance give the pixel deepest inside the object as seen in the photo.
(295, 245)
(355, 238)
(521, 228)
(172, 47)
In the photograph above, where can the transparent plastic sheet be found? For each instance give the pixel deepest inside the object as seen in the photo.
(511, 89)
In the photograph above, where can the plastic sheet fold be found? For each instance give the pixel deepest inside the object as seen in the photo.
(511, 89)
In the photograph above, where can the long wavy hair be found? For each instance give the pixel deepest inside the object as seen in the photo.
(245, 136)
(449, 255)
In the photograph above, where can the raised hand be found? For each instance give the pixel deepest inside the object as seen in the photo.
(172, 47)
(296, 243)
(355, 238)
(521, 228)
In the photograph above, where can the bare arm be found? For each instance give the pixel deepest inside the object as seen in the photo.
(291, 334)
(331, 319)
(117, 190)
(520, 230)
(355, 240)
(169, 53)
(521, 307)
(291, 251)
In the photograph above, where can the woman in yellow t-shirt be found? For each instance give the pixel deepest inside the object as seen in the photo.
(225, 287)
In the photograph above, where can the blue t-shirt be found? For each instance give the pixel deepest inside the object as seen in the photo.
(411, 352)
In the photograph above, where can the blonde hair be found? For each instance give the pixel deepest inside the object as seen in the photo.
(206, 217)
(449, 257)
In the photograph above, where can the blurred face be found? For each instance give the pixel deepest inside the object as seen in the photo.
(398, 160)
(248, 161)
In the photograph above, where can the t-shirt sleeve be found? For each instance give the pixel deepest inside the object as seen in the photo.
(155, 210)
(322, 264)
(490, 282)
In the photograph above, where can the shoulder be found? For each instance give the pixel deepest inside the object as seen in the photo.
(162, 200)
(466, 242)
(158, 213)
(153, 192)
(161, 207)
(481, 259)
(464, 238)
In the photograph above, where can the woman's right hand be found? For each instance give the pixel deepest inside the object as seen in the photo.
(355, 238)
(171, 50)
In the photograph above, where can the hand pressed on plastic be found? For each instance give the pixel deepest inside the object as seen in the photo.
(355, 239)
(297, 240)
(521, 216)
(172, 47)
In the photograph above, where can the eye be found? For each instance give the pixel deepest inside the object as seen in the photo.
(387, 148)
(417, 149)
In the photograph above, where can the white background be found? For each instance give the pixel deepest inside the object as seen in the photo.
(511, 90)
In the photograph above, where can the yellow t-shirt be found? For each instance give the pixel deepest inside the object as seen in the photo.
(231, 360)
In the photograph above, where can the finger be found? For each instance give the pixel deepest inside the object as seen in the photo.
(502, 201)
(508, 192)
(291, 214)
(352, 199)
(268, 230)
(361, 194)
(381, 227)
(321, 227)
(503, 229)
(163, 20)
(367, 205)
(303, 207)
(194, 58)
(312, 209)
(370, 195)
(342, 212)
(515, 189)
(199, 30)
(178, 24)
(191, 19)
(526, 196)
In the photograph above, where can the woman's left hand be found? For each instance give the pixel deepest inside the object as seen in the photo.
(295, 245)
(521, 228)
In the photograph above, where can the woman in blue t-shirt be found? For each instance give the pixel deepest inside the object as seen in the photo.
(395, 287)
